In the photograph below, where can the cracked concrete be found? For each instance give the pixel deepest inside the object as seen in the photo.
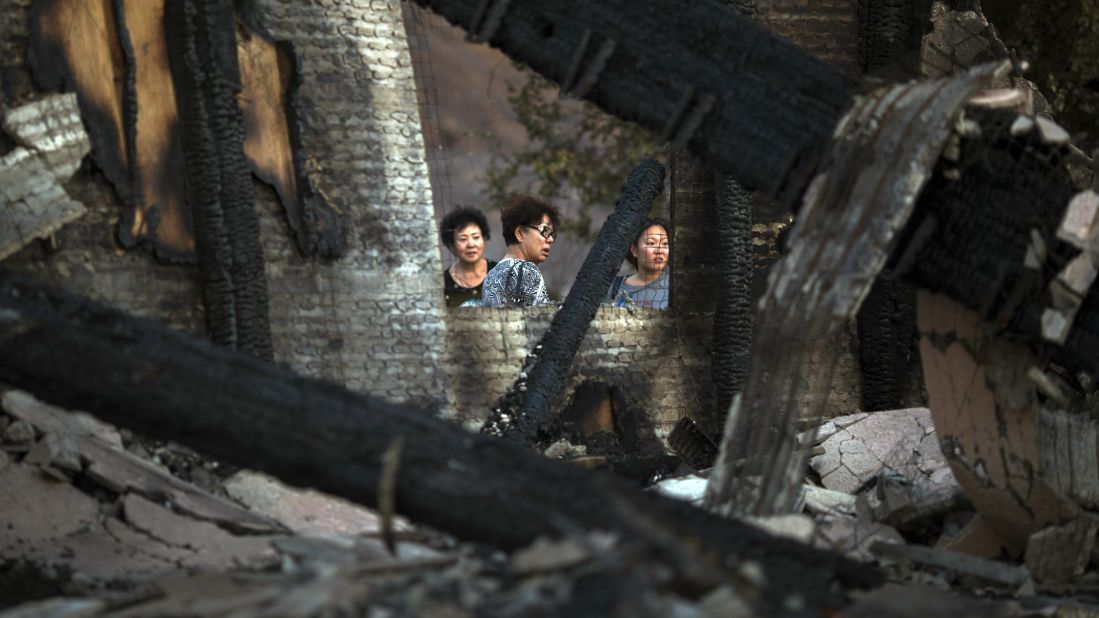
(862, 446)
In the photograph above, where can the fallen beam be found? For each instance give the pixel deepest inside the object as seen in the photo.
(748, 102)
(245, 411)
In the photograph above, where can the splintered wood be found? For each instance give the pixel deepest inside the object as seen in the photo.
(51, 143)
(852, 214)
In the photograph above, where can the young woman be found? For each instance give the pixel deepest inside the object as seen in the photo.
(464, 232)
(530, 229)
(649, 255)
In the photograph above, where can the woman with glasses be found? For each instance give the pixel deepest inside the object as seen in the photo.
(464, 232)
(530, 228)
(649, 254)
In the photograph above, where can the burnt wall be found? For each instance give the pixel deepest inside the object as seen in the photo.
(373, 319)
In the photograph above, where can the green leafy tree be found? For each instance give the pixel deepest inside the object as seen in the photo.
(573, 151)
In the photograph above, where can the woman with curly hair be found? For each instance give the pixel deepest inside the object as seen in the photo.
(464, 231)
(530, 229)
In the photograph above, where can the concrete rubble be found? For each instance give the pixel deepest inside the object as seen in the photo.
(84, 515)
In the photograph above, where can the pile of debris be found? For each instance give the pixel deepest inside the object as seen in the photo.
(110, 532)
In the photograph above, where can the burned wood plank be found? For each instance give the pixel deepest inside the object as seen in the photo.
(243, 410)
(50, 145)
(841, 240)
(732, 341)
(202, 50)
(114, 55)
(887, 342)
(749, 102)
(270, 77)
(526, 411)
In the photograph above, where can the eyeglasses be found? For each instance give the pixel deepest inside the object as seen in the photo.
(546, 231)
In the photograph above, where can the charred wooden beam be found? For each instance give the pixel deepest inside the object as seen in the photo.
(887, 338)
(890, 32)
(526, 412)
(246, 411)
(202, 49)
(747, 101)
(732, 349)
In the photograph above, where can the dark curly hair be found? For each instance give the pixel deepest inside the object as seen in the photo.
(458, 219)
(526, 210)
(651, 221)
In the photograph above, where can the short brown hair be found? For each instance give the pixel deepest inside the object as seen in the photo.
(526, 210)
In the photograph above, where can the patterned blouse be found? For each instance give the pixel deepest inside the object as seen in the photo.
(514, 283)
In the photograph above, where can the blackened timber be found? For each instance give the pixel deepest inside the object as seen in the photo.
(248, 412)
(742, 98)
(203, 54)
(887, 340)
(733, 313)
(543, 386)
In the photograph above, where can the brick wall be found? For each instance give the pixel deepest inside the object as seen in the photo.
(660, 367)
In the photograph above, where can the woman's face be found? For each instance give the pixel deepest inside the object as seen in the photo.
(532, 244)
(469, 244)
(651, 249)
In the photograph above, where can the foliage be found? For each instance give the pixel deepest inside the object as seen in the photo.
(574, 153)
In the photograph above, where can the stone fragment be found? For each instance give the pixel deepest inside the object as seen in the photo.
(544, 555)
(1080, 225)
(1060, 554)
(821, 501)
(57, 450)
(690, 488)
(207, 545)
(1051, 132)
(19, 433)
(796, 526)
(1022, 126)
(303, 511)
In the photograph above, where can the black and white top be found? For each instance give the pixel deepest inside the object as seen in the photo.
(514, 283)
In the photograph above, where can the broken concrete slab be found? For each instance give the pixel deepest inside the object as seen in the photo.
(120, 471)
(301, 510)
(902, 442)
(201, 543)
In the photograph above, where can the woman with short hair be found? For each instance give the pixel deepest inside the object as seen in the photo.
(463, 232)
(530, 228)
(649, 255)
